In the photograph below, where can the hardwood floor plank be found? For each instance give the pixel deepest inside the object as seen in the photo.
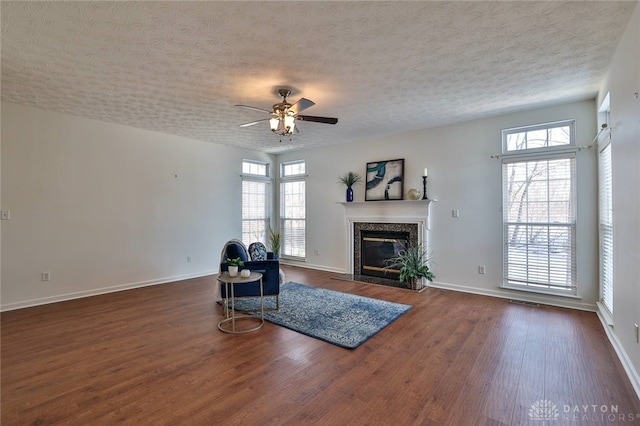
(154, 355)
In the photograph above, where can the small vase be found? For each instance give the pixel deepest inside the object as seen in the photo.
(233, 271)
(245, 273)
(349, 194)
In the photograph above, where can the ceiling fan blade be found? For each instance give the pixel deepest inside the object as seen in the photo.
(325, 120)
(301, 105)
(255, 108)
(253, 122)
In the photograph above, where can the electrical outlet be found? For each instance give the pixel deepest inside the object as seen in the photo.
(46, 276)
(455, 213)
(188, 259)
(6, 215)
(317, 251)
(481, 269)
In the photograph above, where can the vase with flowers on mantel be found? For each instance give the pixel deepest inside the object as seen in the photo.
(349, 179)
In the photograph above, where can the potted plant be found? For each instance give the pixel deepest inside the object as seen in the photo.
(275, 242)
(233, 265)
(349, 179)
(412, 263)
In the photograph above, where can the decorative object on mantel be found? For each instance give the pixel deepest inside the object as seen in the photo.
(349, 179)
(414, 194)
(424, 184)
(404, 202)
(385, 180)
(412, 263)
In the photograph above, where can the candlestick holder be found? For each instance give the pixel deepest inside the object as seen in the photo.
(424, 188)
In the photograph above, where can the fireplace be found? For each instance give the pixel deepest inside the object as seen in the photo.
(377, 247)
(373, 243)
(394, 217)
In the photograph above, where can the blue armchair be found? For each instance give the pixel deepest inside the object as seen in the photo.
(269, 268)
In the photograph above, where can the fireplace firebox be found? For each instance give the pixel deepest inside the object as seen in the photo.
(377, 247)
(374, 243)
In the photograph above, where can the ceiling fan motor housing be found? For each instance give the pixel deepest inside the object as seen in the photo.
(285, 93)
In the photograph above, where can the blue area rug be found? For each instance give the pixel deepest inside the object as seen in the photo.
(343, 319)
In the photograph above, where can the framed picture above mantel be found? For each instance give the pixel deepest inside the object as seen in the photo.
(385, 180)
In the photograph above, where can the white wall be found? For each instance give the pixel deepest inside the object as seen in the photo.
(461, 176)
(623, 84)
(105, 207)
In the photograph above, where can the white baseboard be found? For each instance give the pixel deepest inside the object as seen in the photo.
(572, 303)
(98, 291)
(607, 324)
(543, 299)
(307, 265)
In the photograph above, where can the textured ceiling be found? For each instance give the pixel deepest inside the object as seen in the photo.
(380, 67)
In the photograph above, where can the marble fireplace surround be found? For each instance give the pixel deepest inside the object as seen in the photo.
(411, 216)
(359, 227)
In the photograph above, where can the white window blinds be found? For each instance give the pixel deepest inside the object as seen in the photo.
(293, 209)
(255, 202)
(255, 221)
(540, 223)
(606, 227)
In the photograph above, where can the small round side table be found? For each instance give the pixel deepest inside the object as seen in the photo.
(231, 316)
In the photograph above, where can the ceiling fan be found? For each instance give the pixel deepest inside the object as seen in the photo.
(284, 115)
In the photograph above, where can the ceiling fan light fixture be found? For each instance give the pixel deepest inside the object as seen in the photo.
(274, 123)
(284, 115)
(289, 124)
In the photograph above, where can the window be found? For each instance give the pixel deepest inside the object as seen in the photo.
(543, 137)
(605, 209)
(539, 210)
(255, 201)
(293, 169)
(255, 168)
(606, 226)
(293, 209)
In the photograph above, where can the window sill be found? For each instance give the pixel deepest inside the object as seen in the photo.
(545, 292)
(604, 312)
(293, 258)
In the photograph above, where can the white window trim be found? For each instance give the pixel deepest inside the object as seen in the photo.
(299, 176)
(266, 176)
(250, 177)
(291, 178)
(543, 153)
(605, 144)
(570, 147)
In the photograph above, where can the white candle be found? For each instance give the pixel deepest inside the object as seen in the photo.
(425, 172)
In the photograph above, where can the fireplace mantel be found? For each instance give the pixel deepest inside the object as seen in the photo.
(391, 211)
(387, 202)
(388, 211)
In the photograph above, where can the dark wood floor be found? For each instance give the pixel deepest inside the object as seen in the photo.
(155, 356)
